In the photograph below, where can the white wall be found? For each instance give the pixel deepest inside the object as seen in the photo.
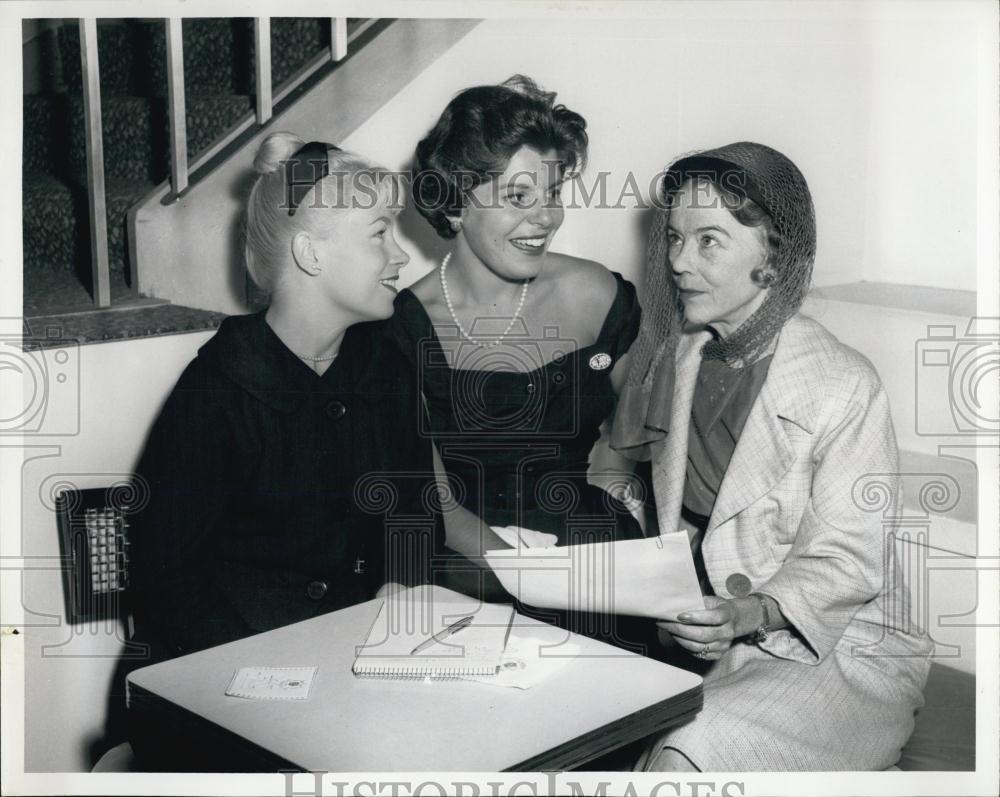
(877, 104)
(920, 169)
(879, 114)
(100, 428)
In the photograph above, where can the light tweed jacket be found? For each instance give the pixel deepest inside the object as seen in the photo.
(836, 690)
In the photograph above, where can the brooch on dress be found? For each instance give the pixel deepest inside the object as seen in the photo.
(600, 361)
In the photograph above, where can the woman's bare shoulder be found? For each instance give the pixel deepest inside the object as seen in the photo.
(428, 288)
(584, 281)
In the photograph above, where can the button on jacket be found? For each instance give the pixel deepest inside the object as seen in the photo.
(276, 494)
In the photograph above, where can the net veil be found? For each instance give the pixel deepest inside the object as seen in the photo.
(773, 182)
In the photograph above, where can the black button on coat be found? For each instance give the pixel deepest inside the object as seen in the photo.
(267, 482)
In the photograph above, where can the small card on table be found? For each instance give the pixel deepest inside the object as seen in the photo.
(272, 683)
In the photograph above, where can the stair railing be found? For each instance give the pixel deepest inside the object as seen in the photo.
(96, 201)
(180, 167)
(262, 47)
(177, 113)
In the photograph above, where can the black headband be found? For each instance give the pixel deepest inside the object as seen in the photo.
(309, 164)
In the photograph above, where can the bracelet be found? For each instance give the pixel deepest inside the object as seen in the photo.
(760, 635)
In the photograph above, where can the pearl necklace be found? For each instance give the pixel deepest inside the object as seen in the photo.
(317, 359)
(451, 310)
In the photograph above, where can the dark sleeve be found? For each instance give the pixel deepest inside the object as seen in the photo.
(188, 472)
(412, 545)
(622, 324)
(407, 327)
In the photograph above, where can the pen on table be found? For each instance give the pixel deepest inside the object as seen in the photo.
(510, 625)
(440, 636)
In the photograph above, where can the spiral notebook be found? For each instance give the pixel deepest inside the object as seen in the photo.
(410, 639)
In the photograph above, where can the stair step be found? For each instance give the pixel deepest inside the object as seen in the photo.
(116, 49)
(294, 42)
(136, 133)
(130, 321)
(135, 136)
(46, 120)
(51, 224)
(209, 117)
(119, 197)
(219, 82)
(56, 223)
(57, 292)
(218, 54)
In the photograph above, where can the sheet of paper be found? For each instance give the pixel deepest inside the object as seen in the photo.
(528, 660)
(272, 683)
(653, 577)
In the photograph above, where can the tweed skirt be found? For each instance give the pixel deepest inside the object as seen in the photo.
(766, 714)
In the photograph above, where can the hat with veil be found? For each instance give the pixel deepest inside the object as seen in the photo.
(741, 170)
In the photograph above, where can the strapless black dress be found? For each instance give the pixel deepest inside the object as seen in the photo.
(515, 443)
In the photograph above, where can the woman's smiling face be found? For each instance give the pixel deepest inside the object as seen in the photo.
(508, 222)
(711, 257)
(358, 248)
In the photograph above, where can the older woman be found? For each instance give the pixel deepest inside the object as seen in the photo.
(761, 429)
(257, 463)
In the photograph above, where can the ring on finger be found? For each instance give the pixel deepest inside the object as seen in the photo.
(704, 651)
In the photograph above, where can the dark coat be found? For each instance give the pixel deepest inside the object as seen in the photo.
(276, 494)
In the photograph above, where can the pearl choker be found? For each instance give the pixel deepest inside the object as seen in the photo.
(451, 310)
(317, 359)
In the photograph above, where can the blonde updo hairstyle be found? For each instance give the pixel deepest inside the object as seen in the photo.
(269, 227)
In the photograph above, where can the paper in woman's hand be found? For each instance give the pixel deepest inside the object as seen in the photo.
(652, 577)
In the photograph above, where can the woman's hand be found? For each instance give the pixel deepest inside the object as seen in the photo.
(708, 633)
(389, 588)
(517, 537)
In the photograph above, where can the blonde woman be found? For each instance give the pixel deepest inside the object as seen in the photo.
(253, 462)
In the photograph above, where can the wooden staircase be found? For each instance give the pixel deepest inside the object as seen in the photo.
(220, 89)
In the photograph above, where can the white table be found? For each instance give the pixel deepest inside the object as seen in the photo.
(600, 700)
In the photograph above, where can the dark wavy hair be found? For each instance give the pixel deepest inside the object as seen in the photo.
(476, 136)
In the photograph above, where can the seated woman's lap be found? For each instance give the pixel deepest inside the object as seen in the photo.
(767, 714)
